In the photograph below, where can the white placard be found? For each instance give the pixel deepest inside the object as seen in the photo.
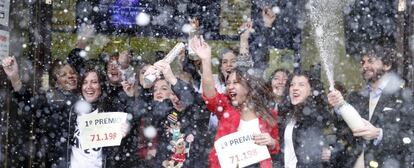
(4, 12)
(239, 150)
(101, 129)
(4, 44)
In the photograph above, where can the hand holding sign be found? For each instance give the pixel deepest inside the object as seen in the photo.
(265, 139)
(240, 149)
(102, 129)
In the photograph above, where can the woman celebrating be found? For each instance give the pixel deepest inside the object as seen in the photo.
(304, 124)
(246, 104)
(173, 124)
(70, 151)
(278, 80)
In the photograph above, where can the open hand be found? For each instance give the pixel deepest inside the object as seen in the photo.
(201, 48)
(268, 17)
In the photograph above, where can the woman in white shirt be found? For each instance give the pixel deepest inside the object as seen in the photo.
(304, 124)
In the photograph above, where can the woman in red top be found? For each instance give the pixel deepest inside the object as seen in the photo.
(247, 99)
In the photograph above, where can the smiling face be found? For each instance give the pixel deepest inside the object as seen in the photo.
(236, 89)
(278, 83)
(113, 72)
(373, 68)
(299, 89)
(91, 88)
(227, 63)
(162, 90)
(67, 79)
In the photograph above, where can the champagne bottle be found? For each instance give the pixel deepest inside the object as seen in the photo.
(150, 78)
(350, 115)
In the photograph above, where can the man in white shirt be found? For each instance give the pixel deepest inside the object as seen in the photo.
(383, 141)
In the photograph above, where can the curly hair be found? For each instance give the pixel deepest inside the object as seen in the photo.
(315, 101)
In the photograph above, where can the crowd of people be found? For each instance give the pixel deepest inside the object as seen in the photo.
(297, 118)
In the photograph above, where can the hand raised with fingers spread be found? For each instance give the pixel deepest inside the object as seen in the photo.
(201, 48)
(268, 17)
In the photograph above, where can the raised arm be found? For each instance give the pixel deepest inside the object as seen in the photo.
(203, 50)
(246, 28)
(85, 34)
(12, 71)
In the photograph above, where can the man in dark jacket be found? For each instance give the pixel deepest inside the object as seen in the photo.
(385, 139)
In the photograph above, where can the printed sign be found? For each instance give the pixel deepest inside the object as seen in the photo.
(102, 129)
(4, 44)
(239, 150)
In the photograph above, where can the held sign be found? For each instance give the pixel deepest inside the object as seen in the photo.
(101, 129)
(239, 150)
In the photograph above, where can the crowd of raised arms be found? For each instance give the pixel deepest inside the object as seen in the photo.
(175, 120)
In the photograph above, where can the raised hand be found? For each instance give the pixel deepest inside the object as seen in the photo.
(12, 71)
(165, 69)
(176, 103)
(10, 67)
(201, 48)
(335, 98)
(128, 88)
(268, 17)
(246, 29)
(195, 24)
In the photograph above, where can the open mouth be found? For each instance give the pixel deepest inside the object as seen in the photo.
(159, 97)
(71, 82)
(114, 74)
(232, 95)
(89, 93)
(367, 72)
(295, 95)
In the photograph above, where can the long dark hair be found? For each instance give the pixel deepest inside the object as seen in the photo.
(222, 52)
(260, 96)
(288, 74)
(100, 79)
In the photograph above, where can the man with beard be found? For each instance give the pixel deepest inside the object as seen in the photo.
(385, 138)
